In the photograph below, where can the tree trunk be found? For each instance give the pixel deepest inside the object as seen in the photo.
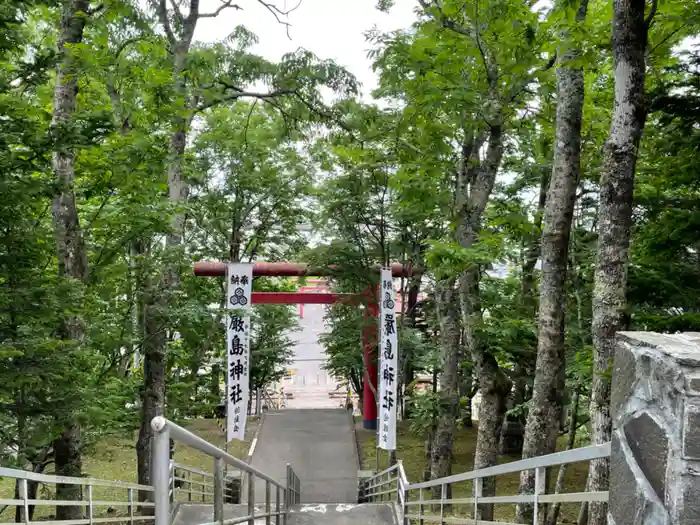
(532, 254)
(153, 392)
(494, 387)
(72, 254)
(68, 456)
(410, 322)
(466, 388)
(441, 451)
(542, 426)
(525, 368)
(157, 319)
(431, 434)
(629, 43)
(215, 383)
(475, 182)
(137, 252)
(553, 515)
(427, 450)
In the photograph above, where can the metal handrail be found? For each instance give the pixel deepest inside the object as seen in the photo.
(197, 488)
(165, 430)
(380, 486)
(89, 502)
(387, 477)
(550, 460)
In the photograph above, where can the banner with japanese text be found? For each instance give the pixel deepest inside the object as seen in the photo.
(239, 278)
(388, 363)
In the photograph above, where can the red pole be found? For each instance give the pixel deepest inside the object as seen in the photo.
(369, 340)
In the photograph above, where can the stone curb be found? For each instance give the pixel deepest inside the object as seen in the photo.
(253, 443)
(358, 448)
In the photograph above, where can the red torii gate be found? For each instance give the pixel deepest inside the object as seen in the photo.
(285, 269)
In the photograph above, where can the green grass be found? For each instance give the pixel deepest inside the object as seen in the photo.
(114, 459)
(410, 449)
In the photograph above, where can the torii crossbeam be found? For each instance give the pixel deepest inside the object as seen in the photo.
(369, 334)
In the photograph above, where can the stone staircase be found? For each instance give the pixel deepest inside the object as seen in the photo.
(317, 448)
(343, 514)
(304, 514)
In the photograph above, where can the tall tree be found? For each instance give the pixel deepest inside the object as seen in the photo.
(485, 116)
(212, 76)
(70, 244)
(629, 46)
(542, 427)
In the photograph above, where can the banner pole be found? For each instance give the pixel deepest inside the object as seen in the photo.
(225, 367)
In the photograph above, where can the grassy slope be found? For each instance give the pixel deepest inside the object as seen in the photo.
(115, 459)
(411, 451)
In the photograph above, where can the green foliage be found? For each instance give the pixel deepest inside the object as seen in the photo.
(375, 180)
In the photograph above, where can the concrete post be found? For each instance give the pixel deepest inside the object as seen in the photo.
(655, 407)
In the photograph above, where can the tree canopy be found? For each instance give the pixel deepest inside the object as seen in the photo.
(493, 156)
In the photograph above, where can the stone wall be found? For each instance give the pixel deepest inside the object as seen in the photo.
(655, 405)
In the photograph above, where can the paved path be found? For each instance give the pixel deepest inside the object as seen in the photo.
(318, 444)
(367, 514)
(310, 384)
(319, 514)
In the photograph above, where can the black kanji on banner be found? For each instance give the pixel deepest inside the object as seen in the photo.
(237, 347)
(237, 370)
(236, 394)
(236, 324)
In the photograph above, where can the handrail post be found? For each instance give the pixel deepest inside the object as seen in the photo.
(130, 500)
(90, 508)
(540, 478)
(443, 496)
(172, 475)
(161, 470)
(404, 508)
(219, 490)
(398, 487)
(478, 490)
(288, 490)
(268, 503)
(401, 492)
(278, 504)
(189, 486)
(421, 507)
(24, 494)
(251, 498)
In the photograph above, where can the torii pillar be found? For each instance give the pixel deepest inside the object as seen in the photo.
(369, 332)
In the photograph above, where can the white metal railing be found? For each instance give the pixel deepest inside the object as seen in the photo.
(391, 485)
(88, 501)
(388, 485)
(197, 485)
(165, 430)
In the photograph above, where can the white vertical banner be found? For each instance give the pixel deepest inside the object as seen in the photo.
(239, 278)
(388, 363)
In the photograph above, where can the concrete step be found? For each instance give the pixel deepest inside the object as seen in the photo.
(305, 514)
(320, 447)
(196, 513)
(343, 514)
